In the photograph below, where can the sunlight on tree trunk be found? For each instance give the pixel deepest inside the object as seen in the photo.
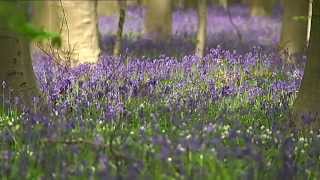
(158, 19)
(122, 14)
(308, 100)
(16, 66)
(80, 38)
(202, 27)
(294, 26)
(77, 22)
(309, 21)
(261, 7)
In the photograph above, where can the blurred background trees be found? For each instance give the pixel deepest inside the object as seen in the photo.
(261, 8)
(202, 28)
(158, 19)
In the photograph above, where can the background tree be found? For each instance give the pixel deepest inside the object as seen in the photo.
(110, 7)
(294, 26)
(122, 15)
(261, 7)
(158, 19)
(225, 3)
(202, 27)
(308, 99)
(107, 8)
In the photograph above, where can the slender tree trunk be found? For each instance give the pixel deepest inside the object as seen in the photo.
(122, 14)
(308, 100)
(16, 71)
(158, 19)
(294, 31)
(261, 7)
(309, 21)
(202, 27)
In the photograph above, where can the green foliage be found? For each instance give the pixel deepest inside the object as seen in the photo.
(14, 17)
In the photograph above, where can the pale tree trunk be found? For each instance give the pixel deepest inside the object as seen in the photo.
(77, 22)
(309, 21)
(80, 36)
(308, 99)
(158, 19)
(202, 28)
(16, 71)
(225, 3)
(294, 30)
(122, 14)
(261, 7)
(108, 8)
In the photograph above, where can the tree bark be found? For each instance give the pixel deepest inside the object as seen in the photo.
(202, 28)
(44, 15)
(16, 71)
(77, 22)
(122, 15)
(80, 36)
(261, 7)
(158, 19)
(108, 8)
(308, 99)
(294, 32)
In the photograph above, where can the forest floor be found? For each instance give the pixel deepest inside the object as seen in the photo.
(158, 112)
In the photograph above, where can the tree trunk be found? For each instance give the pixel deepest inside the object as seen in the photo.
(108, 8)
(80, 36)
(294, 30)
(16, 71)
(261, 7)
(44, 15)
(158, 19)
(309, 21)
(202, 27)
(122, 14)
(77, 22)
(308, 99)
